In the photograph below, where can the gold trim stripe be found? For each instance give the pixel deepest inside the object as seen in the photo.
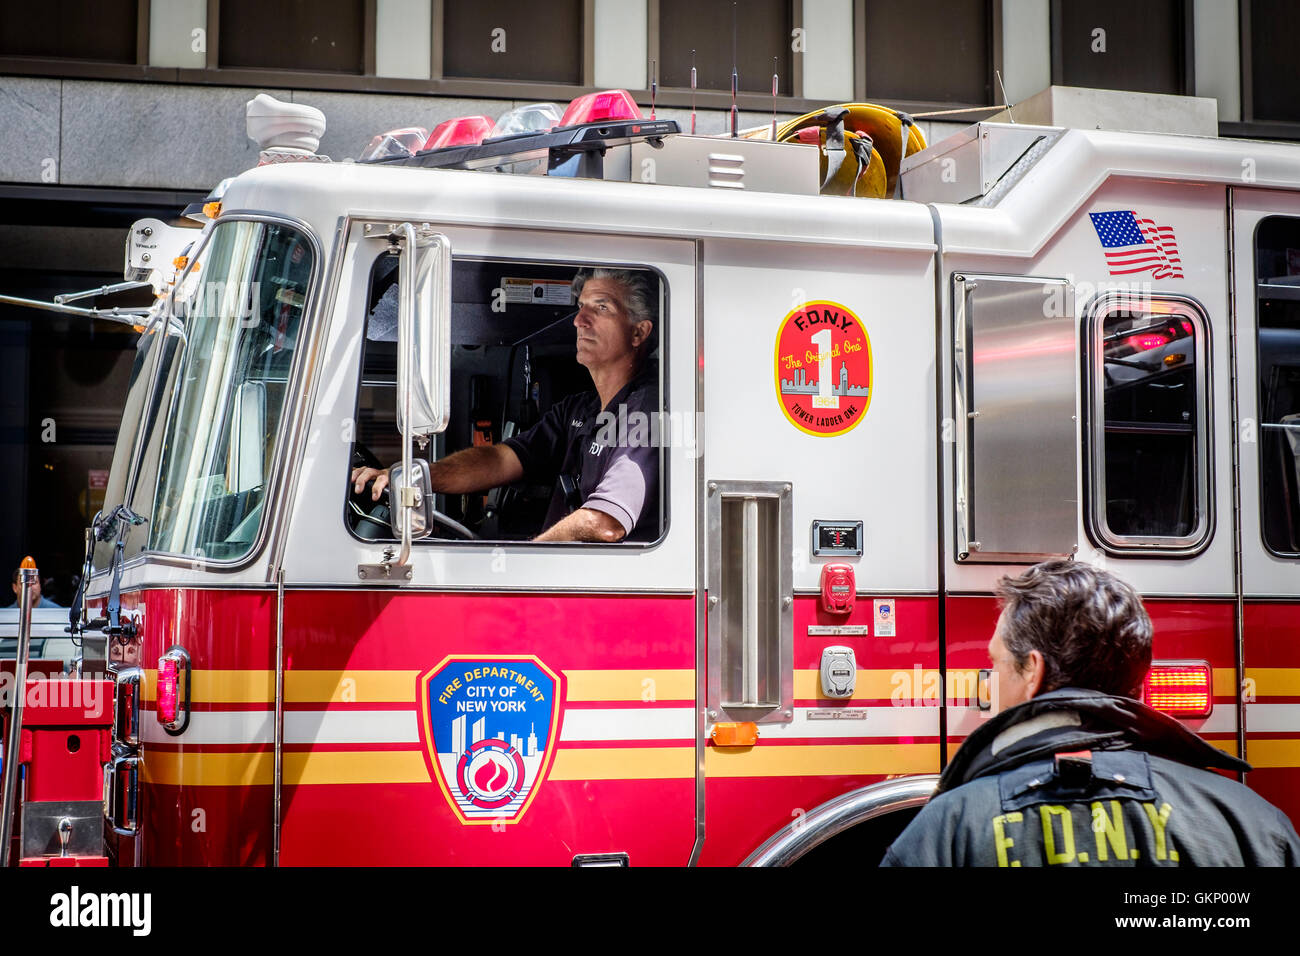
(1274, 681)
(1270, 754)
(634, 685)
(398, 686)
(213, 769)
(822, 760)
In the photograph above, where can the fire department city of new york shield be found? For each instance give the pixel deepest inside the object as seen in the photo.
(490, 724)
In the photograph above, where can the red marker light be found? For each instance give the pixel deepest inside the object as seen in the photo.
(1179, 688)
(605, 105)
(168, 690)
(461, 131)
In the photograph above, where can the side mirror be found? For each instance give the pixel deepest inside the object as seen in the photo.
(422, 509)
(247, 438)
(425, 336)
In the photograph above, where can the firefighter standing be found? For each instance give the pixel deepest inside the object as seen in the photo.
(1073, 771)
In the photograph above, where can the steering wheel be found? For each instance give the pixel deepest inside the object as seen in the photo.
(374, 518)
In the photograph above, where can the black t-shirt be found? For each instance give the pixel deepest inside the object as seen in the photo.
(610, 456)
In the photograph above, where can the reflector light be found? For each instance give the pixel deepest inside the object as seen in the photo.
(1180, 689)
(212, 209)
(396, 142)
(605, 105)
(461, 131)
(168, 690)
(530, 118)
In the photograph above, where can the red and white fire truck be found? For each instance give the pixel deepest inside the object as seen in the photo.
(1023, 341)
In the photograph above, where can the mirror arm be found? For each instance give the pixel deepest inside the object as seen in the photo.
(405, 364)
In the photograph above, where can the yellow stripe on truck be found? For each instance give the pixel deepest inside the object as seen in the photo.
(335, 767)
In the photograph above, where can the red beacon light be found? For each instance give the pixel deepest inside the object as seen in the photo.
(1179, 688)
(605, 105)
(461, 131)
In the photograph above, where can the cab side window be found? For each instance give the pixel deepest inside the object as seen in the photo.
(519, 376)
(1277, 259)
(1149, 437)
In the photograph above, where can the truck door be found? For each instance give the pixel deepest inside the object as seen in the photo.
(513, 702)
(1266, 264)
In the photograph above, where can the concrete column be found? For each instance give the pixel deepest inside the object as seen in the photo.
(178, 34)
(828, 50)
(1218, 55)
(1026, 49)
(403, 34)
(622, 44)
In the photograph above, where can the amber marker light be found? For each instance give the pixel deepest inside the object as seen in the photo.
(212, 209)
(735, 734)
(1179, 688)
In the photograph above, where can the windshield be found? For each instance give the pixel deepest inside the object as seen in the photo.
(160, 342)
(229, 391)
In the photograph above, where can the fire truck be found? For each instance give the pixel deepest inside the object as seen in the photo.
(888, 375)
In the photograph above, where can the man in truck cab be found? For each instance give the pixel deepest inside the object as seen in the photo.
(605, 478)
(1074, 771)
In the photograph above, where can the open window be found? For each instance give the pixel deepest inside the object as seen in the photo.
(1149, 436)
(1277, 258)
(513, 362)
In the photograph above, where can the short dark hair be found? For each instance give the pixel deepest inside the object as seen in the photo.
(1089, 625)
(640, 297)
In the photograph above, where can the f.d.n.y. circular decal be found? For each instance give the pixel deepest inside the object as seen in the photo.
(823, 368)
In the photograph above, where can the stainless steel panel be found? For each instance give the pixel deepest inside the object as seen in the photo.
(46, 834)
(706, 161)
(969, 163)
(751, 601)
(1017, 456)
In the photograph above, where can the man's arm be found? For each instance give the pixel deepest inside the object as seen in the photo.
(585, 524)
(470, 469)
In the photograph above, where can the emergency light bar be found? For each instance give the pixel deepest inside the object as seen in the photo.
(1179, 688)
(569, 151)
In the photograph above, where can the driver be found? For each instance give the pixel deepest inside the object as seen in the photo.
(606, 474)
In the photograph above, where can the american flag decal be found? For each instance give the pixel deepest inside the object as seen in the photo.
(1133, 244)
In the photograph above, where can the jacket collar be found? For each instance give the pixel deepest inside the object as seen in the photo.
(1072, 718)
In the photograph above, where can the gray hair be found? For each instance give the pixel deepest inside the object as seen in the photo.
(640, 299)
(1089, 625)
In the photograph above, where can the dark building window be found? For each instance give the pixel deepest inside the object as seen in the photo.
(1274, 63)
(936, 51)
(103, 30)
(513, 40)
(1120, 44)
(763, 30)
(317, 36)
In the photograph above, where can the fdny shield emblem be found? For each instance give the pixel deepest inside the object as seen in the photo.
(490, 726)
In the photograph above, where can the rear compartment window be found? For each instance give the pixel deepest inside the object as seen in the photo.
(1149, 436)
(1278, 294)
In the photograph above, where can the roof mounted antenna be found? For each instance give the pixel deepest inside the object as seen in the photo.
(654, 87)
(1005, 99)
(775, 82)
(692, 92)
(735, 76)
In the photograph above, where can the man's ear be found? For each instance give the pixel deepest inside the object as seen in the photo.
(641, 332)
(1036, 668)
